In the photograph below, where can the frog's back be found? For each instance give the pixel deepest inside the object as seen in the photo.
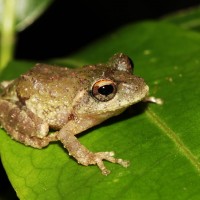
(48, 92)
(44, 80)
(44, 72)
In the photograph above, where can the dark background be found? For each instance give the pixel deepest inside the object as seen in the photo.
(68, 26)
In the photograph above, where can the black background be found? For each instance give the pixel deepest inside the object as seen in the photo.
(67, 26)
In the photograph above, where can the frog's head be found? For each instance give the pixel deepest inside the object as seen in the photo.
(114, 87)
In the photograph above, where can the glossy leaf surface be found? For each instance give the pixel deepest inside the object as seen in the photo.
(162, 142)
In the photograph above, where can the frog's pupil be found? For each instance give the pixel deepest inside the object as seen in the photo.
(106, 90)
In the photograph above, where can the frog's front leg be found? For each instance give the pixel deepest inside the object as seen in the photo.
(24, 126)
(81, 153)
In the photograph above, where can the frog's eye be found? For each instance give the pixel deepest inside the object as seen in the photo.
(122, 63)
(104, 90)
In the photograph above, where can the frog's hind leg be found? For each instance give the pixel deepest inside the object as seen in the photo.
(24, 126)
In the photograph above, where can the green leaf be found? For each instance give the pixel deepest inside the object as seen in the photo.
(26, 11)
(188, 19)
(162, 142)
(16, 16)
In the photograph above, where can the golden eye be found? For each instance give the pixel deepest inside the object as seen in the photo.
(104, 90)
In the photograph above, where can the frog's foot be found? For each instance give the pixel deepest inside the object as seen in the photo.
(97, 159)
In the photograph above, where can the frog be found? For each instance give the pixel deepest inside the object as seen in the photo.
(53, 104)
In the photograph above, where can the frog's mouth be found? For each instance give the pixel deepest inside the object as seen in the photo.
(143, 94)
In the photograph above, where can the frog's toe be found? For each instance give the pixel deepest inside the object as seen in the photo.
(109, 156)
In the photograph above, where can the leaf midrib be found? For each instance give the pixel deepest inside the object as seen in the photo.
(174, 138)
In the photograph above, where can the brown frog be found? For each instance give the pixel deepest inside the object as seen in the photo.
(69, 101)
